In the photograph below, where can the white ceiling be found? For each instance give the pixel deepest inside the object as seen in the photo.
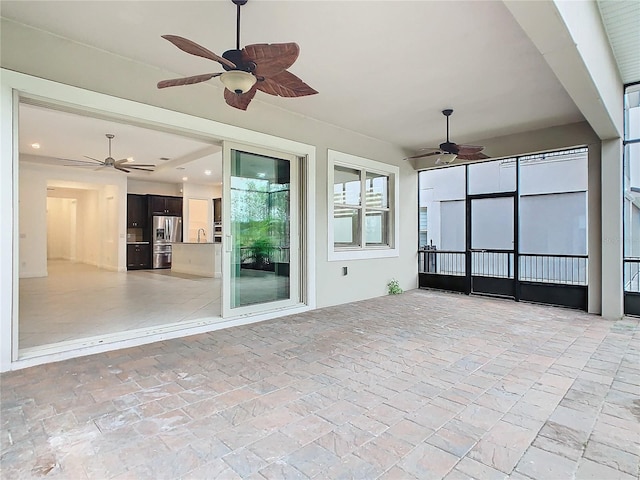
(621, 20)
(385, 69)
(65, 138)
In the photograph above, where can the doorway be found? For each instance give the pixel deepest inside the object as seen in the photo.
(491, 247)
(261, 246)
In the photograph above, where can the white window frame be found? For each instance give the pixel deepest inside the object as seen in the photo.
(365, 251)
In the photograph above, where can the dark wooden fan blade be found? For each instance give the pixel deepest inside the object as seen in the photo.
(271, 59)
(285, 84)
(187, 80)
(118, 167)
(473, 156)
(469, 149)
(194, 49)
(239, 101)
(425, 152)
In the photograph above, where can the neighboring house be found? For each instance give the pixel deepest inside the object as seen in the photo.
(339, 261)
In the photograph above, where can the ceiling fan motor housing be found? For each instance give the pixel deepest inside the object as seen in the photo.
(449, 147)
(235, 57)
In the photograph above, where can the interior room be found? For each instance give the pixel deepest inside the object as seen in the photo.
(85, 261)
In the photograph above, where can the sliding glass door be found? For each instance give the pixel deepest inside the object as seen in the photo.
(260, 231)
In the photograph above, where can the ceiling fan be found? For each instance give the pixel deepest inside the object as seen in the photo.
(259, 66)
(111, 162)
(449, 151)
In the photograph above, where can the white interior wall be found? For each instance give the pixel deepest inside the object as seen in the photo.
(112, 234)
(32, 217)
(88, 228)
(143, 187)
(193, 191)
(60, 221)
(100, 223)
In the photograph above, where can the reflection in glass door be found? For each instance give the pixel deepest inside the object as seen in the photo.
(261, 241)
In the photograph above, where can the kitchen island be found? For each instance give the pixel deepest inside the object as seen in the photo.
(202, 259)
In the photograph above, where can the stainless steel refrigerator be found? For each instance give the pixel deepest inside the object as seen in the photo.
(166, 230)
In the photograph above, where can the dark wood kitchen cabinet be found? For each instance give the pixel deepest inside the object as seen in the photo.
(138, 256)
(137, 213)
(165, 205)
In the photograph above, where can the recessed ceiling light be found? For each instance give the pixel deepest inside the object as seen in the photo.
(184, 179)
(207, 172)
(35, 145)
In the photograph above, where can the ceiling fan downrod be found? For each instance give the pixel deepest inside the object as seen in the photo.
(238, 3)
(447, 113)
(110, 136)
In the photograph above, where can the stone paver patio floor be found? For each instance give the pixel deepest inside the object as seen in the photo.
(421, 385)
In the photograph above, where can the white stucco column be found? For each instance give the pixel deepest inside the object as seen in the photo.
(612, 191)
(594, 233)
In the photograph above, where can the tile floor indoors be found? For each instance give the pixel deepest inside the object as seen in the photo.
(421, 385)
(77, 301)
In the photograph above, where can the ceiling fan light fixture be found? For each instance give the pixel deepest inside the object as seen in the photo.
(238, 81)
(446, 158)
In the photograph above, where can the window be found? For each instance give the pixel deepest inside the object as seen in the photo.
(422, 227)
(362, 208)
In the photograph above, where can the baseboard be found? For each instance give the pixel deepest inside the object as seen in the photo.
(38, 274)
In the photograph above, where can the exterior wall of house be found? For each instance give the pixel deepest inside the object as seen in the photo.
(50, 57)
(41, 54)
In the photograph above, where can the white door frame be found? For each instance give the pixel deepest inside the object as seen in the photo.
(15, 85)
(227, 239)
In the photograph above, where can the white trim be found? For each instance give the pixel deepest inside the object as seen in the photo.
(66, 96)
(133, 338)
(369, 165)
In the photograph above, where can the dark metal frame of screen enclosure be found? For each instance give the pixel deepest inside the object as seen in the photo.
(521, 277)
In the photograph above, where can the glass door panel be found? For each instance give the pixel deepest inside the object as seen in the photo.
(261, 242)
